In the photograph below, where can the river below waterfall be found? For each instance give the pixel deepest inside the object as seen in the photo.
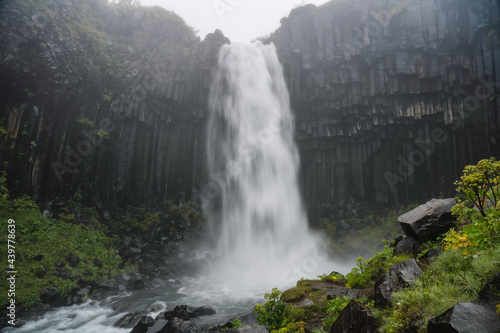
(100, 316)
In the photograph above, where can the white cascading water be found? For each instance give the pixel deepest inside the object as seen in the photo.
(263, 232)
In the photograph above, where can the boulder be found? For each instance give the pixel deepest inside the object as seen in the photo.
(399, 276)
(489, 294)
(205, 310)
(470, 317)
(160, 326)
(180, 311)
(130, 319)
(354, 318)
(177, 325)
(408, 245)
(428, 221)
(186, 312)
(143, 325)
(73, 260)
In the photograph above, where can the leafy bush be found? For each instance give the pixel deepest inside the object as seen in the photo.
(358, 277)
(272, 313)
(371, 269)
(480, 184)
(333, 309)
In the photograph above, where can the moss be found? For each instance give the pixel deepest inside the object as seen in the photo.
(296, 294)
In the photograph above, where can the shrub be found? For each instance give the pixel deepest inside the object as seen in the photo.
(272, 313)
(333, 309)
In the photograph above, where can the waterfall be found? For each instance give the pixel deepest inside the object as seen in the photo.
(253, 162)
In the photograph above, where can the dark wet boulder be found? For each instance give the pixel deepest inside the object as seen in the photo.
(177, 325)
(51, 297)
(73, 260)
(408, 245)
(428, 221)
(160, 326)
(130, 319)
(354, 318)
(136, 285)
(180, 312)
(205, 310)
(143, 325)
(399, 276)
(489, 294)
(470, 317)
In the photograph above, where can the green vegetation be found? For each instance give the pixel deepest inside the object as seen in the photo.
(236, 323)
(272, 313)
(370, 270)
(471, 253)
(367, 229)
(333, 310)
(85, 121)
(3, 131)
(470, 258)
(43, 247)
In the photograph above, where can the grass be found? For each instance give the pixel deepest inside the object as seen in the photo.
(42, 249)
(451, 279)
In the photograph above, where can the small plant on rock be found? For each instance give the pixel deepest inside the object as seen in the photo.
(333, 309)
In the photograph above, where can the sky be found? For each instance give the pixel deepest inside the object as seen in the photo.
(240, 20)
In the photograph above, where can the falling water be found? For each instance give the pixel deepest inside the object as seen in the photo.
(252, 157)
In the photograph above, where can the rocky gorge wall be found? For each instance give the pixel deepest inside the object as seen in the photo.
(391, 100)
(105, 97)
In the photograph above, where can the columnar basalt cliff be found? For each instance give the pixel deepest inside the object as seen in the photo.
(392, 99)
(104, 97)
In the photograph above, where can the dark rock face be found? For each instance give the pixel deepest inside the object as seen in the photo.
(114, 103)
(428, 221)
(466, 318)
(383, 95)
(391, 100)
(354, 318)
(399, 276)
